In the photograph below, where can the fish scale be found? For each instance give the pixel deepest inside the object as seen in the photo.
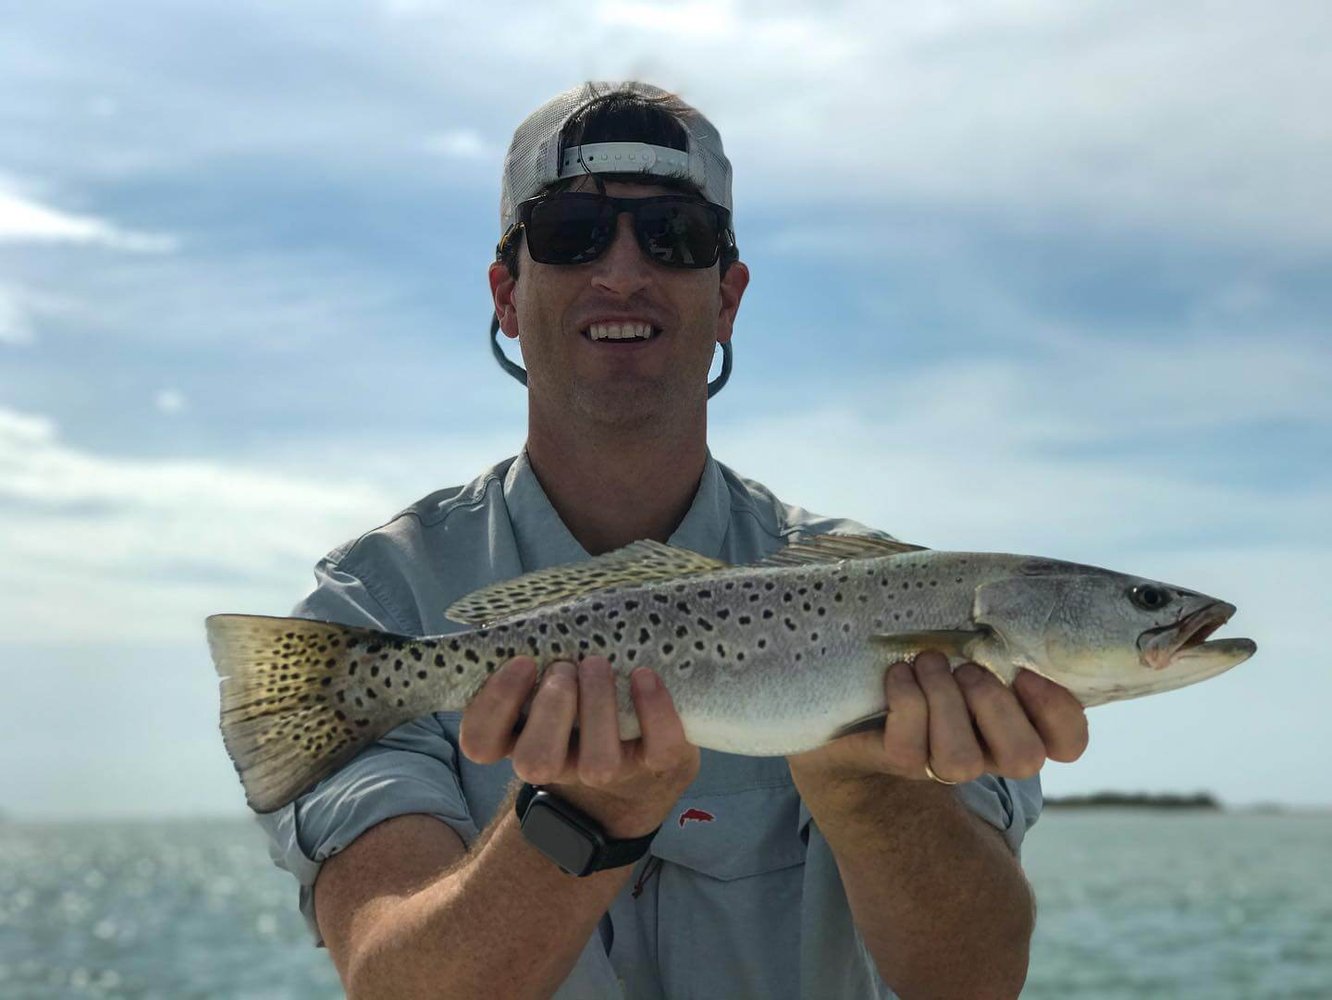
(770, 659)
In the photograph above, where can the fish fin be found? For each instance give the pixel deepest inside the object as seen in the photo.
(867, 724)
(953, 643)
(835, 548)
(288, 700)
(639, 562)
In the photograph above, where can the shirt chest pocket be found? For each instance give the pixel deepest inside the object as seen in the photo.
(727, 894)
(734, 835)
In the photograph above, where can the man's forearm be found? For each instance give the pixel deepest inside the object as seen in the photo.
(936, 894)
(504, 922)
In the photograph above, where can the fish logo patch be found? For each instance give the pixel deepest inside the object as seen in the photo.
(695, 816)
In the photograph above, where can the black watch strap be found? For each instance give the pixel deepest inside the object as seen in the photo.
(571, 838)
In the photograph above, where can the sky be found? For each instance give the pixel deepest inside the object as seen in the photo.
(1027, 276)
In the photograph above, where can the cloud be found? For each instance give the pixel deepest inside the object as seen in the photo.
(462, 144)
(15, 318)
(169, 401)
(23, 220)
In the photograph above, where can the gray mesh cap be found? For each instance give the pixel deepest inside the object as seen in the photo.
(535, 160)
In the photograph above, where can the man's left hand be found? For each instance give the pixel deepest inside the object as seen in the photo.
(961, 723)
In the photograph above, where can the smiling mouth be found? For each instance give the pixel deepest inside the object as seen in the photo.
(621, 333)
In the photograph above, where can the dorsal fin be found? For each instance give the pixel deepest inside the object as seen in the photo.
(835, 548)
(644, 561)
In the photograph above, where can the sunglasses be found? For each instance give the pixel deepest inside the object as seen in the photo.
(575, 228)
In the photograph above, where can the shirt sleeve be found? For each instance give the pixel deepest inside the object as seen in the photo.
(1010, 806)
(412, 769)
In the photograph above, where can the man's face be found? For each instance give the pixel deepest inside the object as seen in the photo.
(552, 309)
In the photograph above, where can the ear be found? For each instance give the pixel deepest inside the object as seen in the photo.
(733, 285)
(502, 286)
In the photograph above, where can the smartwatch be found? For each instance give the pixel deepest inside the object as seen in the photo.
(570, 838)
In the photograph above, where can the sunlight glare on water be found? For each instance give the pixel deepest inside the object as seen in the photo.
(1132, 904)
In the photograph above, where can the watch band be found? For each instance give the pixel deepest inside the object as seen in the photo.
(571, 838)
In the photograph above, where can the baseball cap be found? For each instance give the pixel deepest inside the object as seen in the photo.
(536, 160)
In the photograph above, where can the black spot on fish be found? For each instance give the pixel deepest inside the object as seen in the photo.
(700, 645)
(705, 625)
(667, 648)
(421, 675)
(472, 656)
(789, 624)
(326, 681)
(744, 619)
(630, 605)
(767, 613)
(580, 619)
(681, 631)
(459, 669)
(374, 670)
(377, 647)
(682, 607)
(454, 645)
(705, 594)
(654, 618)
(644, 635)
(415, 653)
(397, 664)
(723, 613)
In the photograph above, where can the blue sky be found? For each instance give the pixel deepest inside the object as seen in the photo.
(1027, 276)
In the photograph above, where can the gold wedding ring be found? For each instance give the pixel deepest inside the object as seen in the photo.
(929, 772)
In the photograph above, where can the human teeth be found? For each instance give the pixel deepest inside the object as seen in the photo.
(620, 331)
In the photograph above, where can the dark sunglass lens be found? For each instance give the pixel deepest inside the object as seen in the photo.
(679, 233)
(568, 230)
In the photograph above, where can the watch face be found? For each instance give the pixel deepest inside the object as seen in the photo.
(557, 838)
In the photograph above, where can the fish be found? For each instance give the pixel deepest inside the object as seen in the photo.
(771, 658)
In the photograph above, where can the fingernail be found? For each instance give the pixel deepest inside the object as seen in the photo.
(564, 669)
(645, 680)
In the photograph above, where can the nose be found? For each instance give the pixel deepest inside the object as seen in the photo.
(624, 268)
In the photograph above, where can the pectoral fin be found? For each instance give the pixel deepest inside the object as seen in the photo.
(906, 646)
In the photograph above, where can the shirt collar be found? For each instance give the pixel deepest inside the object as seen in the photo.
(544, 540)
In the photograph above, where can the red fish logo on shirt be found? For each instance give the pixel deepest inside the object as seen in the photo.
(696, 815)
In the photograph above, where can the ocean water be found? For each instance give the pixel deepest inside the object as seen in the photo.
(1132, 904)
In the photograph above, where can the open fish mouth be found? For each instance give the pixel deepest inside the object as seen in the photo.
(1186, 639)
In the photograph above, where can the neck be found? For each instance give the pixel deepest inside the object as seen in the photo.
(616, 487)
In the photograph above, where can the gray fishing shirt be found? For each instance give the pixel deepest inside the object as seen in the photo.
(740, 895)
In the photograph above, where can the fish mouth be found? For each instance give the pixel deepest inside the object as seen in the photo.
(1186, 639)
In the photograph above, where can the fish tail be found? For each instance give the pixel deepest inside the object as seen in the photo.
(296, 699)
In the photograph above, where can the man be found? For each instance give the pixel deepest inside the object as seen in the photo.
(851, 870)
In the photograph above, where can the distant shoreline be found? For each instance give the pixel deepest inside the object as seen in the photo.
(1136, 800)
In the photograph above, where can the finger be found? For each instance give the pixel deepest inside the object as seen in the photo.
(1014, 744)
(906, 739)
(599, 753)
(486, 733)
(954, 754)
(542, 748)
(1057, 715)
(663, 740)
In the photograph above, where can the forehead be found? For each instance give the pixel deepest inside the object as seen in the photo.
(622, 189)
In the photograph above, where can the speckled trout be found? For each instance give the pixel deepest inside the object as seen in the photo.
(769, 659)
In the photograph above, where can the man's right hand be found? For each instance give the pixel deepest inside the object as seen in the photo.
(628, 786)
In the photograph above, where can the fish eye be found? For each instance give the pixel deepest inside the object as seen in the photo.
(1149, 598)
